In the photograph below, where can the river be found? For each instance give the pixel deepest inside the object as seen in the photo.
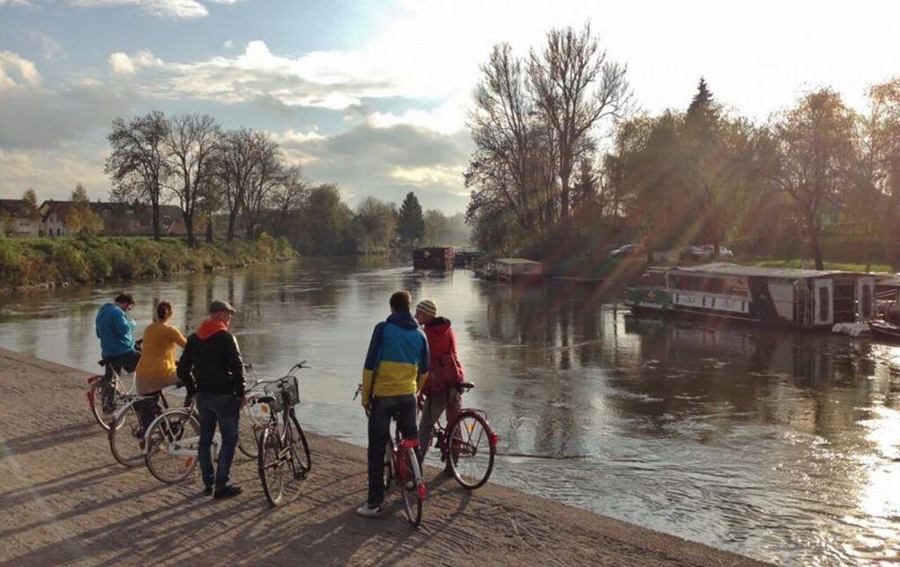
(780, 446)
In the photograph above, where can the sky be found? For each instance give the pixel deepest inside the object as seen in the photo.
(373, 95)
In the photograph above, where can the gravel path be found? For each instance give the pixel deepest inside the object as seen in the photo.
(65, 501)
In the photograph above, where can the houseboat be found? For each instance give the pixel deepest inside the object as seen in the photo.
(806, 299)
(518, 269)
(433, 258)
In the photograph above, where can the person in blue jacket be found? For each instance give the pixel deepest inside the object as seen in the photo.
(395, 370)
(116, 333)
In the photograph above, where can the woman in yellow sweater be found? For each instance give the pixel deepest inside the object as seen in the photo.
(156, 369)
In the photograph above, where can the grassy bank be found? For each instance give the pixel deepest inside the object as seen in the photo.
(44, 261)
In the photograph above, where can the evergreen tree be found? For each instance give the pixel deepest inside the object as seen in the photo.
(412, 222)
(703, 107)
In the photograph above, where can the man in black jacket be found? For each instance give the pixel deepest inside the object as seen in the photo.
(211, 367)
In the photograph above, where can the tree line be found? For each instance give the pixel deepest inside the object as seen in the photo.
(562, 157)
(241, 179)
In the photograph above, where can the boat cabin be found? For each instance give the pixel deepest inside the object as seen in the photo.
(518, 269)
(433, 258)
(776, 296)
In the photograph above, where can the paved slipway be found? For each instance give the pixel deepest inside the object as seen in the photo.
(65, 501)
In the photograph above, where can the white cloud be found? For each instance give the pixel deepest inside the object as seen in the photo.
(15, 3)
(16, 71)
(334, 80)
(431, 176)
(386, 162)
(124, 64)
(161, 8)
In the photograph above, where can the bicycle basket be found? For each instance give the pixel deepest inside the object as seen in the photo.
(287, 385)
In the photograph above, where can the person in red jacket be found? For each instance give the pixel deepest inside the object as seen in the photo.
(439, 393)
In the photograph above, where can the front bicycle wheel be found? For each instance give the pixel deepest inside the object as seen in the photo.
(104, 415)
(271, 465)
(172, 446)
(470, 449)
(126, 437)
(299, 449)
(248, 433)
(412, 487)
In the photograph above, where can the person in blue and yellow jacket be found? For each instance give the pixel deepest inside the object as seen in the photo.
(396, 368)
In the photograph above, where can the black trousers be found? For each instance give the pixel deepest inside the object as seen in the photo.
(384, 408)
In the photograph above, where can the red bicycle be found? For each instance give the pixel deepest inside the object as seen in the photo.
(467, 444)
(402, 463)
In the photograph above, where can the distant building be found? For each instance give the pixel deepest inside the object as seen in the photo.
(20, 221)
(119, 219)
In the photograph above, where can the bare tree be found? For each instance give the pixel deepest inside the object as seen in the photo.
(138, 165)
(190, 145)
(287, 196)
(265, 174)
(882, 159)
(501, 125)
(575, 86)
(234, 166)
(812, 157)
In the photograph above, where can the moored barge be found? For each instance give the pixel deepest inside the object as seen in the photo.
(798, 298)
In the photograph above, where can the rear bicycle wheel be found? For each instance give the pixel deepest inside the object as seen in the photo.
(126, 437)
(271, 466)
(299, 448)
(95, 399)
(470, 449)
(248, 433)
(412, 487)
(168, 457)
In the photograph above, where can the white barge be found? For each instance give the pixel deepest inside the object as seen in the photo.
(807, 299)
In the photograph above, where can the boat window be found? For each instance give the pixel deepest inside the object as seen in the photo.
(823, 303)
(867, 302)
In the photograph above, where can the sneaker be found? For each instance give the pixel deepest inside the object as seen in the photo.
(367, 511)
(208, 491)
(227, 492)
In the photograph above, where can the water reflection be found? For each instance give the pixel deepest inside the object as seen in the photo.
(777, 445)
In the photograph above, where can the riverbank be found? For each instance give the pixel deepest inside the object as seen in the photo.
(48, 262)
(66, 502)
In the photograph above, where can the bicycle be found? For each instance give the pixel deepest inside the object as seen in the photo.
(249, 425)
(95, 395)
(282, 443)
(173, 440)
(401, 456)
(467, 444)
(125, 431)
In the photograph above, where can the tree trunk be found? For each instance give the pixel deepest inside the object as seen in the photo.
(209, 231)
(814, 245)
(189, 228)
(251, 233)
(232, 218)
(156, 228)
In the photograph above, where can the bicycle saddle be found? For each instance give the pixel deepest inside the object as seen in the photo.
(465, 386)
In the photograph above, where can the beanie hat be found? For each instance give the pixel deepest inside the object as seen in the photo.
(427, 307)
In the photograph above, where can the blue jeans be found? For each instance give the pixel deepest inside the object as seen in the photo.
(403, 409)
(225, 410)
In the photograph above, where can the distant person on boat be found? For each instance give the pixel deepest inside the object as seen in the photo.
(396, 366)
(115, 329)
(444, 372)
(156, 368)
(211, 367)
